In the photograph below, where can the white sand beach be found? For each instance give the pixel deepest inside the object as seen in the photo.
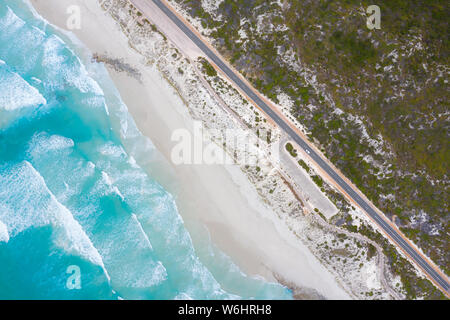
(218, 197)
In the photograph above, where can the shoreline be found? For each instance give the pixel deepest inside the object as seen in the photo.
(238, 223)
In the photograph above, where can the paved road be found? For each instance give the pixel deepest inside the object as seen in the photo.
(439, 279)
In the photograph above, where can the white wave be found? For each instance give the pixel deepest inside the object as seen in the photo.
(133, 273)
(183, 296)
(106, 179)
(61, 66)
(112, 150)
(11, 22)
(84, 82)
(20, 42)
(16, 93)
(68, 69)
(93, 77)
(42, 143)
(4, 235)
(32, 204)
(148, 279)
(44, 148)
(36, 80)
(147, 240)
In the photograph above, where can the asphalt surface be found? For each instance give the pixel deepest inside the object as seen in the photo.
(388, 229)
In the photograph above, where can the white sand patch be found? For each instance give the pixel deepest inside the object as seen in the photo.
(4, 235)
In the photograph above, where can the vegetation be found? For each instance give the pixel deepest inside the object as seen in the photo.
(208, 68)
(393, 81)
(291, 150)
(414, 286)
(304, 165)
(416, 133)
(318, 180)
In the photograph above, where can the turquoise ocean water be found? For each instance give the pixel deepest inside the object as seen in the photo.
(73, 191)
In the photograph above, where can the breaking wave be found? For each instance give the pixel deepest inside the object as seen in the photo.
(72, 191)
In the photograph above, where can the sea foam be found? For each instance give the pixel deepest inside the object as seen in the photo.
(31, 204)
(73, 169)
(15, 92)
(4, 235)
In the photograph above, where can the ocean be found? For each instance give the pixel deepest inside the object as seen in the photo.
(80, 217)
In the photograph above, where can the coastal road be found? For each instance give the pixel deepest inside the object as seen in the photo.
(433, 273)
